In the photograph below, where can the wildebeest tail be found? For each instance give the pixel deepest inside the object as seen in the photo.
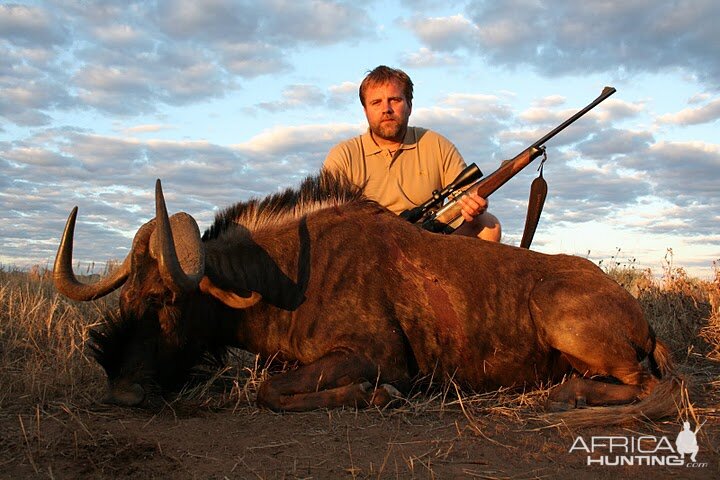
(661, 364)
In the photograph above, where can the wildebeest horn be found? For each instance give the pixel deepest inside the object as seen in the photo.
(64, 278)
(183, 274)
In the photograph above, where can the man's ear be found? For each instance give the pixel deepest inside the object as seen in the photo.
(233, 299)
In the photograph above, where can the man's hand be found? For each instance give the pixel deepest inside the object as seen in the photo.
(472, 205)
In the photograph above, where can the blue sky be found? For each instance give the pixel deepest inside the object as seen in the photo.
(225, 100)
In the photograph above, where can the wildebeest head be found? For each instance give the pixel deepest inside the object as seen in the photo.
(143, 345)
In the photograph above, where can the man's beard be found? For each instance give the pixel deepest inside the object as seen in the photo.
(394, 130)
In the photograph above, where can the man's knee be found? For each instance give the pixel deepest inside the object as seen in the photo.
(485, 226)
(491, 229)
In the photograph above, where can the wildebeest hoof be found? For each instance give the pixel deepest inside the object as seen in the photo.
(555, 406)
(366, 387)
(392, 391)
(562, 406)
(384, 394)
(381, 395)
(125, 395)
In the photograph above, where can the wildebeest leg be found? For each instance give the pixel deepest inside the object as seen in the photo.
(338, 379)
(626, 380)
(598, 329)
(630, 381)
(578, 392)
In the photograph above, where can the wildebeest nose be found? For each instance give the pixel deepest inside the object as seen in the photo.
(125, 395)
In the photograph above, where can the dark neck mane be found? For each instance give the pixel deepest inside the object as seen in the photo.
(314, 193)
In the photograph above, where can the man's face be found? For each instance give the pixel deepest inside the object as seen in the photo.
(387, 111)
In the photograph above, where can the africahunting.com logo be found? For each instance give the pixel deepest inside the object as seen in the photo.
(647, 450)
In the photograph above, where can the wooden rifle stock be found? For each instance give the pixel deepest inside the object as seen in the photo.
(449, 217)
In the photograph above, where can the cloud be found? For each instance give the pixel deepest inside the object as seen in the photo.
(130, 85)
(273, 21)
(295, 139)
(611, 142)
(120, 35)
(306, 96)
(29, 85)
(614, 109)
(344, 88)
(549, 101)
(444, 33)
(708, 113)
(133, 59)
(30, 25)
(111, 179)
(86, 162)
(577, 38)
(343, 94)
(426, 58)
(324, 22)
(252, 59)
(140, 129)
(686, 172)
(207, 21)
(488, 126)
(295, 96)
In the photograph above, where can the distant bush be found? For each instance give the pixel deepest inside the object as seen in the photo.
(682, 310)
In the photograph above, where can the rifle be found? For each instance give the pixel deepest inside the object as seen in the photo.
(470, 174)
(449, 217)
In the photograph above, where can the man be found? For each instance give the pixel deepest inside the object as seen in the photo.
(400, 166)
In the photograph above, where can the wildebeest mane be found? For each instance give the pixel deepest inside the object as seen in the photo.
(314, 193)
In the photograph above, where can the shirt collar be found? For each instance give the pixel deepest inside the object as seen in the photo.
(372, 148)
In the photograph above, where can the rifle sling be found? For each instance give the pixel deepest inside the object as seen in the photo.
(538, 193)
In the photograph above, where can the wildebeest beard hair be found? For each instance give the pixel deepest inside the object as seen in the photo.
(109, 343)
(314, 193)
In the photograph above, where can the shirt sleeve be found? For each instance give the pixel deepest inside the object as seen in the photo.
(453, 162)
(338, 160)
(346, 159)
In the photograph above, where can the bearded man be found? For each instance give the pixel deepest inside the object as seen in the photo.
(399, 165)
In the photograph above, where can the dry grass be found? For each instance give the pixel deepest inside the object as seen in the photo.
(47, 376)
(42, 343)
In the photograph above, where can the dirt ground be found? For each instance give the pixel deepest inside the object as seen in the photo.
(433, 440)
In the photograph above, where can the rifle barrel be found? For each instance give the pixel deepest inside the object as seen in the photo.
(607, 91)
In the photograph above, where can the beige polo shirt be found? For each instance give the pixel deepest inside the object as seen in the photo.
(426, 161)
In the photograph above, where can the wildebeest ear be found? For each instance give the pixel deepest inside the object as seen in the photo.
(242, 299)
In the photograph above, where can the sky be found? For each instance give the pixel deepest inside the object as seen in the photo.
(226, 100)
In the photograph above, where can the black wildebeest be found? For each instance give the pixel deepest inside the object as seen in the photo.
(364, 302)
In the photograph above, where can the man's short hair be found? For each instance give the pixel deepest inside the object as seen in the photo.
(382, 74)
